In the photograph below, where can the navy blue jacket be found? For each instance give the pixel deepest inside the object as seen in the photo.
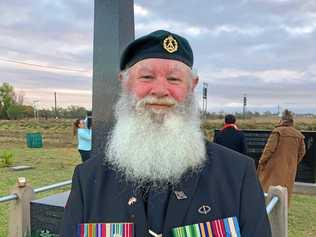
(232, 139)
(227, 184)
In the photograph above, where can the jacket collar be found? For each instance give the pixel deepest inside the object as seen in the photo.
(230, 125)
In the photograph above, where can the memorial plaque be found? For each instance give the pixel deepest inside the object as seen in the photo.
(47, 214)
(306, 170)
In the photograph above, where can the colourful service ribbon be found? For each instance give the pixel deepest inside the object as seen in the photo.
(105, 230)
(227, 227)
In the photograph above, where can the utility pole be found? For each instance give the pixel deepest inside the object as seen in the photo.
(244, 106)
(204, 99)
(55, 105)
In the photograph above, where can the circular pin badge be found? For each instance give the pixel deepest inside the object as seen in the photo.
(204, 209)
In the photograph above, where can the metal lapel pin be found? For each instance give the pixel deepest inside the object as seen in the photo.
(204, 209)
(132, 201)
(180, 195)
(152, 233)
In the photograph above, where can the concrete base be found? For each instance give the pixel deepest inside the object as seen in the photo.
(305, 188)
(21, 167)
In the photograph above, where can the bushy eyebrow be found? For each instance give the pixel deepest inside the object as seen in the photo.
(145, 69)
(177, 68)
(174, 70)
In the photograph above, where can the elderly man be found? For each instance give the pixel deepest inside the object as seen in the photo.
(159, 177)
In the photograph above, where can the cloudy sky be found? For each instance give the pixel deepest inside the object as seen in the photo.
(265, 49)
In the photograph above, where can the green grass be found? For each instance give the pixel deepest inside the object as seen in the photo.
(302, 216)
(50, 165)
(56, 133)
(56, 160)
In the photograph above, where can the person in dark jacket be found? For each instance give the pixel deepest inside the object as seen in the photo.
(158, 176)
(230, 136)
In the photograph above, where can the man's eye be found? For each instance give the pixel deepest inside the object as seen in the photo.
(147, 77)
(173, 79)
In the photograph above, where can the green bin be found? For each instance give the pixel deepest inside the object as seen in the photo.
(34, 140)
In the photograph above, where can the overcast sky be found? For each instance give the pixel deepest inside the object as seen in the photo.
(265, 49)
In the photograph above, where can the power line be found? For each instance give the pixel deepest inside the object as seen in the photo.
(39, 65)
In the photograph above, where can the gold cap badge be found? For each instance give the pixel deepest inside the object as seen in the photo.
(170, 44)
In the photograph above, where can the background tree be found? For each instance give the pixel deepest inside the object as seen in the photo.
(7, 97)
(15, 111)
(28, 111)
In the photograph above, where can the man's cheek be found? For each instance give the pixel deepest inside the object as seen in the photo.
(140, 91)
(179, 94)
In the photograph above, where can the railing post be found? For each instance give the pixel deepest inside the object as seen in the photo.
(19, 211)
(279, 214)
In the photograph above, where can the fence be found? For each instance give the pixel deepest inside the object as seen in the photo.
(21, 197)
(23, 194)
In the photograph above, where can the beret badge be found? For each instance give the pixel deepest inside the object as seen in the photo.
(170, 44)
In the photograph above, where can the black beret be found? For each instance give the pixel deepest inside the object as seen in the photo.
(158, 44)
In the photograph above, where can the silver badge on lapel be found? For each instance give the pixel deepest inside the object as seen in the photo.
(204, 209)
(152, 233)
(180, 195)
(132, 201)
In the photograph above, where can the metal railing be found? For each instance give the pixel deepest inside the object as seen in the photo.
(52, 186)
(11, 197)
(8, 198)
(276, 209)
(37, 190)
(272, 204)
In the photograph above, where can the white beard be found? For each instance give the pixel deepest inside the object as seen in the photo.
(155, 146)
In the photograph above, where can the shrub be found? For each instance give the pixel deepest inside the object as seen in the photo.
(15, 111)
(6, 159)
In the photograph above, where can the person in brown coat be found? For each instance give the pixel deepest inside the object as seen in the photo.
(284, 150)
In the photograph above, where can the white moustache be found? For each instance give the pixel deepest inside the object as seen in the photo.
(149, 100)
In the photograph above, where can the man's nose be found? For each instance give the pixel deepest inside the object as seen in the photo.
(160, 88)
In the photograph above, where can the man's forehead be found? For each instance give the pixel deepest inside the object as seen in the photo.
(160, 64)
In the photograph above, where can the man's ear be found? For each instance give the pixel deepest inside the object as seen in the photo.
(120, 77)
(194, 83)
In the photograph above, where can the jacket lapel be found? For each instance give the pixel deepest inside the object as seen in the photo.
(136, 211)
(179, 202)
